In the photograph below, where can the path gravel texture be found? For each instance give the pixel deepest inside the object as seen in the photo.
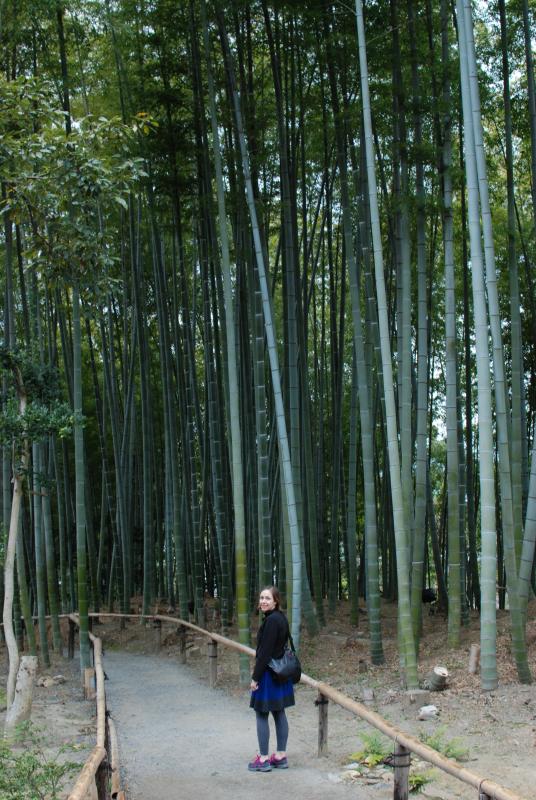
(180, 739)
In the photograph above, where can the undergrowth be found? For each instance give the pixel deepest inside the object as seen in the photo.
(375, 748)
(418, 780)
(451, 748)
(27, 771)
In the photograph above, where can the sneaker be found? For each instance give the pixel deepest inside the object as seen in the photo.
(278, 763)
(260, 766)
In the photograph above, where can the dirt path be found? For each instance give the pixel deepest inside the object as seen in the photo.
(180, 739)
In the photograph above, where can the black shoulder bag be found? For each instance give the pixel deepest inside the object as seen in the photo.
(288, 666)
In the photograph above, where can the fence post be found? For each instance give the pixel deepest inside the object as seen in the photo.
(212, 663)
(322, 702)
(102, 778)
(157, 625)
(89, 683)
(402, 759)
(182, 644)
(70, 641)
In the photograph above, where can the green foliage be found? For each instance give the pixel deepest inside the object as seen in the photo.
(375, 748)
(27, 772)
(418, 780)
(69, 184)
(451, 748)
(37, 423)
(45, 413)
(41, 381)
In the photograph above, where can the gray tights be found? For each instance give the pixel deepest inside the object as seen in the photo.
(263, 731)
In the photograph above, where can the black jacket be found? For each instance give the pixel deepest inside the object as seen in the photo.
(271, 640)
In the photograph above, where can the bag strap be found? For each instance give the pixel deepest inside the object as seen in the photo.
(291, 642)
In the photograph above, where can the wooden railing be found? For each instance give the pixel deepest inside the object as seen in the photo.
(101, 768)
(99, 777)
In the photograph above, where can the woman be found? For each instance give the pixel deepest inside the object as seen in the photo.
(267, 694)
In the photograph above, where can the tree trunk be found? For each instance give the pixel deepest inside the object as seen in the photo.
(21, 707)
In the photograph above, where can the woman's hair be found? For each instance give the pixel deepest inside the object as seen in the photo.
(274, 591)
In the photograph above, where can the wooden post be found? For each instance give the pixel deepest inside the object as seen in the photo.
(93, 792)
(182, 644)
(322, 703)
(402, 759)
(212, 663)
(70, 642)
(157, 625)
(474, 658)
(89, 683)
(101, 779)
(113, 750)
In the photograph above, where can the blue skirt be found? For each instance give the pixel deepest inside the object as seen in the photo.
(272, 695)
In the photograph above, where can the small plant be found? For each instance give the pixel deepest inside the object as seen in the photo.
(451, 748)
(27, 772)
(375, 749)
(418, 780)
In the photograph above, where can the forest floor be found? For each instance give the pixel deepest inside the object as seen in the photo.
(167, 716)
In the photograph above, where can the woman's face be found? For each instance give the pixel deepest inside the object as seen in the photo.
(266, 601)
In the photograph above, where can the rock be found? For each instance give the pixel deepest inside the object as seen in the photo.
(421, 766)
(353, 765)
(367, 695)
(428, 712)
(334, 778)
(46, 681)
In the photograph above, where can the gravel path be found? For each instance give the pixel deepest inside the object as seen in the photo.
(180, 739)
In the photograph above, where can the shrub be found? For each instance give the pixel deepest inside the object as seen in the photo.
(375, 749)
(451, 748)
(27, 772)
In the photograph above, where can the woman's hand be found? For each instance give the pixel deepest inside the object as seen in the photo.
(253, 686)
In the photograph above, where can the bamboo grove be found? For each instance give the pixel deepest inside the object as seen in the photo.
(269, 311)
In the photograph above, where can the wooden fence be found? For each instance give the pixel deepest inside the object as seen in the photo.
(99, 778)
